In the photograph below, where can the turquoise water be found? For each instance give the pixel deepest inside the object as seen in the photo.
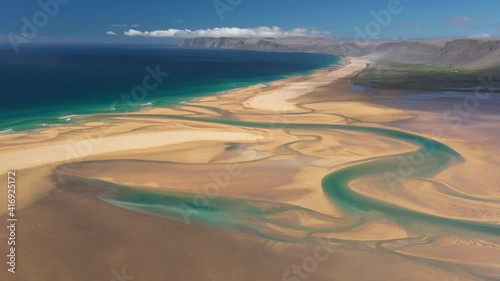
(48, 84)
(238, 214)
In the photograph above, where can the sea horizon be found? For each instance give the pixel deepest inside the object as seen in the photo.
(250, 140)
(178, 86)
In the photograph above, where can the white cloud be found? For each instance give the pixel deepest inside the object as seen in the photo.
(459, 20)
(480, 35)
(262, 31)
(111, 33)
(124, 25)
(463, 22)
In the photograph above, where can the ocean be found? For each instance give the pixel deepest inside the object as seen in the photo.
(44, 85)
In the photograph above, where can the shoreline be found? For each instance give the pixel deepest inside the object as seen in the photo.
(257, 174)
(196, 97)
(56, 145)
(279, 100)
(22, 154)
(342, 63)
(71, 150)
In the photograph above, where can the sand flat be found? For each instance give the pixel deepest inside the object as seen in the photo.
(79, 149)
(275, 207)
(278, 100)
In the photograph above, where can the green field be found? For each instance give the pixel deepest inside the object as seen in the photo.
(388, 75)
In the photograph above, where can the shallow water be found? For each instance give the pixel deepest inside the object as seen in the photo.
(227, 212)
(418, 235)
(43, 84)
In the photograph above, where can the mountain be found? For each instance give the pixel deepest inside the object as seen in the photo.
(471, 53)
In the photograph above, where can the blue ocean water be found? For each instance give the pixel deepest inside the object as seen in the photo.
(46, 84)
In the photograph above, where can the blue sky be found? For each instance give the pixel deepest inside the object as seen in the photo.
(99, 20)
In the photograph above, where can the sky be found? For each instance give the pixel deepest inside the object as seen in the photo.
(115, 21)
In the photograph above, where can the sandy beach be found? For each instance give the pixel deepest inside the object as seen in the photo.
(68, 151)
(279, 100)
(248, 183)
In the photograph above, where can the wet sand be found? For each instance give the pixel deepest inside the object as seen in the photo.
(219, 190)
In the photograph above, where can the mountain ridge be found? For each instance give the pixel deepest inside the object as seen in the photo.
(470, 53)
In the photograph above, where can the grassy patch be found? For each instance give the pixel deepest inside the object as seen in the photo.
(422, 77)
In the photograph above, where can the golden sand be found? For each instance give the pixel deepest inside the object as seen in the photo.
(67, 233)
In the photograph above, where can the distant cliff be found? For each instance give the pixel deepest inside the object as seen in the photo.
(475, 53)
(289, 44)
